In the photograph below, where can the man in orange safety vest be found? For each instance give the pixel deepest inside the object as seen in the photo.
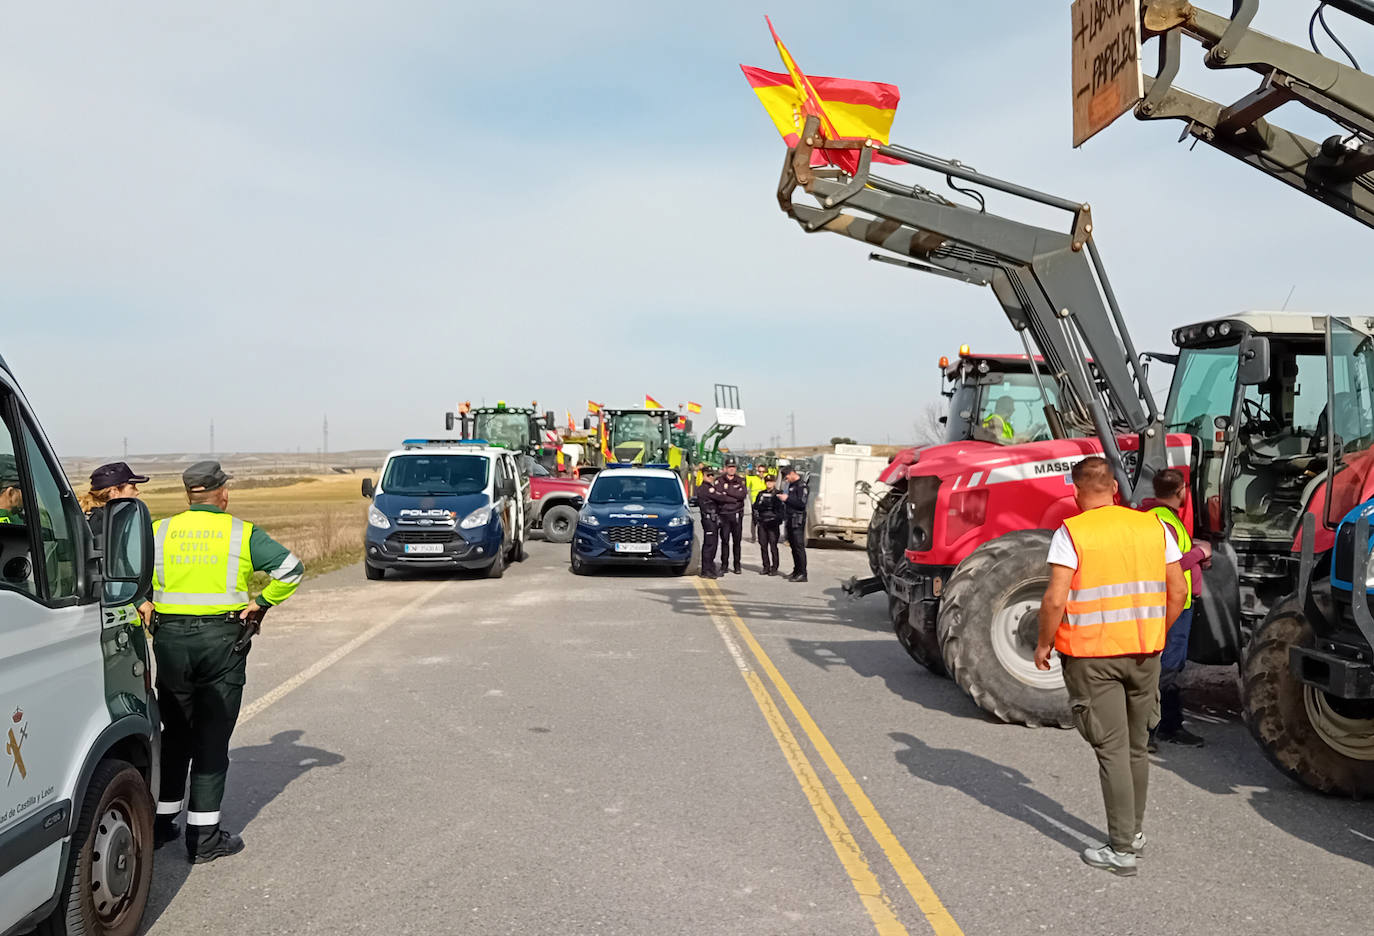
(1115, 587)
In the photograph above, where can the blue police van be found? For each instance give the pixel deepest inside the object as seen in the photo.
(634, 515)
(445, 503)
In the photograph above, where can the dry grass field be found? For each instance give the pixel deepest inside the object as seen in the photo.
(319, 517)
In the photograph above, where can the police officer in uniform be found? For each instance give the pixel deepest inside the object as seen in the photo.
(733, 496)
(710, 521)
(795, 498)
(769, 510)
(203, 623)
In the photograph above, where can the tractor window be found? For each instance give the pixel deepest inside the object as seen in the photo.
(508, 430)
(1351, 414)
(1013, 410)
(1203, 389)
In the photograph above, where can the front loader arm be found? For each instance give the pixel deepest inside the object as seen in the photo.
(1337, 170)
(1051, 284)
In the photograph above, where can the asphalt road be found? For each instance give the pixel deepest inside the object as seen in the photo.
(642, 754)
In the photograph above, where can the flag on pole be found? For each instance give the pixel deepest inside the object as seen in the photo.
(693, 407)
(571, 426)
(651, 403)
(593, 408)
(681, 423)
(847, 109)
(606, 452)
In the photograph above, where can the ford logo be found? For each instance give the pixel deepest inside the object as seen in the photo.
(634, 506)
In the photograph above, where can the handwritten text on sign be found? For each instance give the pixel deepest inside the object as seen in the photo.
(1107, 80)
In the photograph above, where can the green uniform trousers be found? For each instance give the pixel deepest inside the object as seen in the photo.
(199, 688)
(1113, 699)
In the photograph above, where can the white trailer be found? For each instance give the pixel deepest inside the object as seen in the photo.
(840, 507)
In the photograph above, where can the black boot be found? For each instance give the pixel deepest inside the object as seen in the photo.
(206, 843)
(165, 829)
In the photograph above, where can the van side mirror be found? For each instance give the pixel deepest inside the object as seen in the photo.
(548, 419)
(579, 502)
(1253, 369)
(586, 424)
(127, 563)
(368, 489)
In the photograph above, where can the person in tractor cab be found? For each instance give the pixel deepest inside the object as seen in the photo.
(998, 422)
(1171, 490)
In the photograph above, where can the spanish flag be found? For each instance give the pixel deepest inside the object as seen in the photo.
(606, 452)
(593, 408)
(651, 403)
(847, 109)
(693, 407)
(681, 423)
(571, 426)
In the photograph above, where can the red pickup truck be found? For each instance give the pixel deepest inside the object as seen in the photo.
(551, 499)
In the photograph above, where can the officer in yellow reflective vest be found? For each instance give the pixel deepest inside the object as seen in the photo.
(1115, 587)
(204, 559)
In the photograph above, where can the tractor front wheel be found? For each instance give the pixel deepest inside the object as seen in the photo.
(918, 636)
(988, 627)
(1322, 742)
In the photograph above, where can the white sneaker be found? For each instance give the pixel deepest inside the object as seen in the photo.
(1109, 859)
(1138, 844)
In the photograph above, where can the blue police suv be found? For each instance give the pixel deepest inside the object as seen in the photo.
(458, 504)
(634, 515)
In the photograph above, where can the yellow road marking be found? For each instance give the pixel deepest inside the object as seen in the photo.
(861, 876)
(319, 666)
(915, 882)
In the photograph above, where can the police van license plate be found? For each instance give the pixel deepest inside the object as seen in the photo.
(634, 547)
(424, 548)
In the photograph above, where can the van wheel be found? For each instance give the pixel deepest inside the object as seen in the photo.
(498, 565)
(104, 888)
(1321, 742)
(578, 566)
(989, 626)
(373, 573)
(558, 523)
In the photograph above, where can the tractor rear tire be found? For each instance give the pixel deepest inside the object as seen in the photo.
(919, 639)
(988, 629)
(559, 523)
(1297, 726)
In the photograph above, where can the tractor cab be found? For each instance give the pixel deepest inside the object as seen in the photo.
(643, 436)
(999, 398)
(516, 428)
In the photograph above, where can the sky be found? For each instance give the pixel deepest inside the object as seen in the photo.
(268, 212)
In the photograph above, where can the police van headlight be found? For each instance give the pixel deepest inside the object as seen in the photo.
(589, 519)
(376, 518)
(680, 521)
(479, 517)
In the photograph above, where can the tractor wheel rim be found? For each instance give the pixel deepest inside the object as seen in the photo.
(1013, 642)
(114, 863)
(1352, 737)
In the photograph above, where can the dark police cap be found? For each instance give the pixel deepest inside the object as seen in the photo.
(729, 463)
(115, 474)
(9, 471)
(204, 476)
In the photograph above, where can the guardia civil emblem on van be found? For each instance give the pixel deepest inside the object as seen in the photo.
(18, 733)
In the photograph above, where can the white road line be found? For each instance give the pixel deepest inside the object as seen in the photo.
(319, 666)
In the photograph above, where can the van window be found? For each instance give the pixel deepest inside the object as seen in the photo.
(56, 530)
(16, 555)
(434, 475)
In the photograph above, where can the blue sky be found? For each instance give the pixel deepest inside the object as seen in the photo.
(265, 212)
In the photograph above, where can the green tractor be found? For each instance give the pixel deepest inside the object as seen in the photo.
(728, 416)
(643, 437)
(518, 428)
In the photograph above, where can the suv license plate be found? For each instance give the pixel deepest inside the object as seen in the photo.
(430, 548)
(634, 547)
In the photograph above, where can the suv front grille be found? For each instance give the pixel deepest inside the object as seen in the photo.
(422, 536)
(634, 534)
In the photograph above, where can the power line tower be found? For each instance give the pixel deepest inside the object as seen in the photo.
(325, 449)
(126, 448)
(792, 427)
(212, 437)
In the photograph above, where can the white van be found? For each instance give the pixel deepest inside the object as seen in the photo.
(79, 725)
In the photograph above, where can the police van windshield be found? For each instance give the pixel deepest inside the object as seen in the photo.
(426, 475)
(640, 489)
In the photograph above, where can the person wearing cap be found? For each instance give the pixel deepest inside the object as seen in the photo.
(708, 502)
(11, 496)
(733, 497)
(795, 498)
(107, 483)
(769, 510)
(203, 560)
